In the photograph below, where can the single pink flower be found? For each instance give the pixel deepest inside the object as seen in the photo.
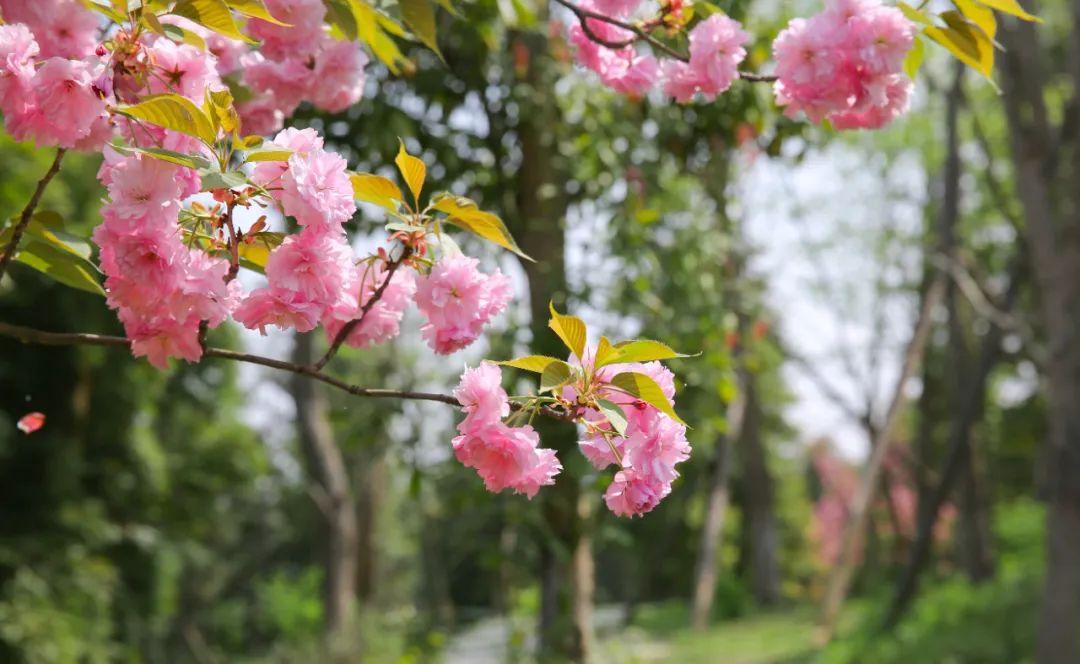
(458, 301)
(317, 190)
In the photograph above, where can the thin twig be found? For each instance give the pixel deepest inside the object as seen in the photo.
(640, 34)
(347, 329)
(34, 336)
(28, 211)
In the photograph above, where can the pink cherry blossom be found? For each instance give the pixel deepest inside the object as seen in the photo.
(481, 394)
(286, 82)
(623, 69)
(260, 116)
(300, 141)
(281, 308)
(183, 69)
(318, 266)
(507, 457)
(62, 28)
(716, 49)
(17, 51)
(383, 319)
(317, 190)
(617, 8)
(157, 341)
(632, 493)
(338, 79)
(63, 106)
(141, 187)
(458, 301)
(299, 38)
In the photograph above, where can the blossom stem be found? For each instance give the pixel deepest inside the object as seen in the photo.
(347, 329)
(28, 211)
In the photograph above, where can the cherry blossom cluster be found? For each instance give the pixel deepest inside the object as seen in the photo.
(507, 457)
(844, 64)
(716, 49)
(504, 456)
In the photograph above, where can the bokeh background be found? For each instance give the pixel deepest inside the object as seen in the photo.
(225, 513)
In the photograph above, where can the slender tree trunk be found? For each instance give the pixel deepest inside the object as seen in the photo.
(370, 487)
(977, 544)
(332, 491)
(704, 589)
(1047, 167)
(759, 509)
(840, 579)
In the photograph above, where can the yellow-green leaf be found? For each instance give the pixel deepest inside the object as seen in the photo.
(643, 350)
(212, 15)
(218, 106)
(464, 212)
(916, 15)
(376, 189)
(269, 154)
(254, 256)
(914, 58)
(966, 41)
(605, 353)
(978, 14)
(255, 9)
(179, 34)
(614, 414)
(646, 389)
(375, 29)
(555, 374)
(412, 169)
(419, 15)
(174, 112)
(65, 267)
(570, 329)
(534, 363)
(1011, 7)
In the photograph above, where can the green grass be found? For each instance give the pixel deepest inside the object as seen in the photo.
(660, 634)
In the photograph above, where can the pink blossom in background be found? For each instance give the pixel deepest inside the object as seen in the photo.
(845, 64)
(299, 38)
(286, 82)
(62, 28)
(260, 116)
(17, 51)
(317, 191)
(624, 69)
(183, 69)
(337, 81)
(716, 49)
(458, 301)
(616, 8)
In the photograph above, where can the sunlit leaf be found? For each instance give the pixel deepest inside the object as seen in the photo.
(1011, 7)
(978, 14)
(915, 15)
(614, 414)
(62, 266)
(376, 29)
(642, 350)
(254, 255)
(412, 169)
(555, 374)
(269, 154)
(376, 189)
(213, 15)
(419, 15)
(646, 389)
(172, 111)
(212, 179)
(255, 9)
(914, 58)
(534, 363)
(184, 36)
(605, 353)
(570, 329)
(464, 213)
(966, 41)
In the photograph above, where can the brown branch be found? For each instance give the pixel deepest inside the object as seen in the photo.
(33, 336)
(640, 34)
(28, 211)
(345, 331)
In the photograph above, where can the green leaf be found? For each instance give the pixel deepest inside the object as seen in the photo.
(978, 14)
(269, 154)
(179, 34)
(914, 58)
(217, 180)
(178, 158)
(570, 329)
(641, 350)
(412, 169)
(340, 17)
(375, 29)
(213, 15)
(534, 363)
(376, 189)
(172, 111)
(1011, 7)
(554, 375)
(218, 106)
(255, 9)
(646, 389)
(419, 15)
(62, 266)
(464, 213)
(614, 414)
(915, 15)
(966, 41)
(48, 227)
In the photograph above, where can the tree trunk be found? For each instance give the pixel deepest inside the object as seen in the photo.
(759, 509)
(715, 510)
(370, 486)
(331, 490)
(840, 578)
(1047, 167)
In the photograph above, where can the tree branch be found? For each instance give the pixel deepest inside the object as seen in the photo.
(345, 331)
(28, 211)
(640, 34)
(33, 336)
